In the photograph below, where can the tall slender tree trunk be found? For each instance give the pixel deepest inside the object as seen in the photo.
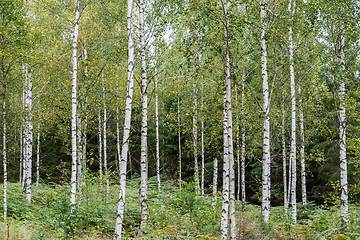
(144, 111)
(228, 134)
(195, 137)
(266, 110)
(74, 108)
(302, 153)
(118, 135)
(4, 154)
(38, 155)
(127, 124)
(283, 140)
(85, 117)
(23, 136)
(28, 133)
(79, 156)
(226, 185)
(243, 145)
(202, 150)
(293, 116)
(215, 177)
(105, 144)
(238, 157)
(342, 133)
(21, 157)
(179, 139)
(157, 136)
(100, 148)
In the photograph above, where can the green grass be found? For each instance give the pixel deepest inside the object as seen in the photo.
(172, 215)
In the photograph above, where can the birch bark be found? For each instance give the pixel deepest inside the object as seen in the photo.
(157, 136)
(127, 124)
(144, 110)
(74, 108)
(28, 133)
(100, 148)
(215, 177)
(228, 144)
(342, 131)
(266, 110)
(283, 140)
(202, 149)
(293, 116)
(38, 155)
(243, 145)
(179, 139)
(226, 169)
(302, 152)
(4, 154)
(105, 144)
(195, 137)
(21, 159)
(118, 135)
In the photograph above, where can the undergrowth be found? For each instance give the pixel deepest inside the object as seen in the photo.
(172, 215)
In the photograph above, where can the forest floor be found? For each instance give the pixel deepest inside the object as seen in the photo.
(172, 215)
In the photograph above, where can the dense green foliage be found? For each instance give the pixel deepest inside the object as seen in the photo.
(173, 214)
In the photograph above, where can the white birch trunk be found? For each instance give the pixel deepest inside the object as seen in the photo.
(85, 118)
(286, 201)
(195, 136)
(179, 140)
(144, 110)
(266, 110)
(342, 133)
(105, 145)
(118, 135)
(229, 136)
(127, 124)
(293, 118)
(215, 177)
(238, 157)
(229, 126)
(100, 148)
(28, 133)
(226, 184)
(79, 157)
(243, 145)
(38, 156)
(202, 151)
(302, 153)
(4, 155)
(157, 136)
(74, 108)
(21, 154)
(23, 136)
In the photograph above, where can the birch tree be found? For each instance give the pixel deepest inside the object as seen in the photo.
(179, 138)
(195, 136)
(266, 111)
(342, 130)
(293, 115)
(302, 151)
(157, 135)
(74, 107)
(144, 110)
(215, 177)
(105, 143)
(127, 124)
(4, 153)
(38, 155)
(243, 146)
(28, 132)
(228, 175)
